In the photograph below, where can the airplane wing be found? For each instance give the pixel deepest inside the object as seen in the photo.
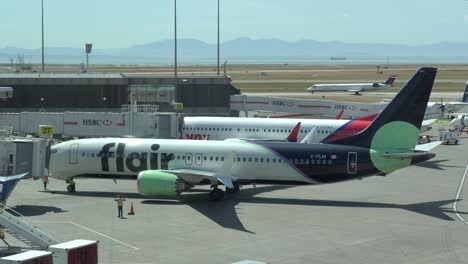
(356, 90)
(223, 174)
(427, 146)
(428, 122)
(406, 155)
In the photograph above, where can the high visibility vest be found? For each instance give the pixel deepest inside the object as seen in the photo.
(120, 202)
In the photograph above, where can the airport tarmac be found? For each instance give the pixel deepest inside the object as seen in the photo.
(405, 217)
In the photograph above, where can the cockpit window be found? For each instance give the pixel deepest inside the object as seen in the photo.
(53, 151)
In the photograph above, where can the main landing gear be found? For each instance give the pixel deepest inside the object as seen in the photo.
(71, 185)
(217, 194)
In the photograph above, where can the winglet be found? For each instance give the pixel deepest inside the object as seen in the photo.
(465, 95)
(8, 183)
(309, 137)
(339, 115)
(294, 133)
(224, 173)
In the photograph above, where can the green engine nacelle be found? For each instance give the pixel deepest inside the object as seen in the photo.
(158, 183)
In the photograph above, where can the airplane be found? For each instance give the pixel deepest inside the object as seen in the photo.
(353, 87)
(168, 167)
(449, 109)
(274, 129)
(459, 121)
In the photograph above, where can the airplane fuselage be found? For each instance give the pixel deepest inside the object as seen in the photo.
(253, 162)
(354, 87)
(221, 128)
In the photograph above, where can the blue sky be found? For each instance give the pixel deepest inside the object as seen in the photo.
(120, 24)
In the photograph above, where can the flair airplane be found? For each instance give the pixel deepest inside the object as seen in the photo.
(353, 87)
(169, 167)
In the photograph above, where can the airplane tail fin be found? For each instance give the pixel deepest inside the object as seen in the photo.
(294, 133)
(391, 79)
(339, 115)
(397, 127)
(465, 95)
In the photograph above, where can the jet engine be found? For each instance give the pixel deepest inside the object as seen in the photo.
(158, 183)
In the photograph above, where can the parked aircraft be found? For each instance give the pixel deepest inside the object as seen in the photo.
(169, 167)
(353, 87)
(459, 121)
(222, 128)
(449, 109)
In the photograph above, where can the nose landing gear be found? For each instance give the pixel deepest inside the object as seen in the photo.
(71, 185)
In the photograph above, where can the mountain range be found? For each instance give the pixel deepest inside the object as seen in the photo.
(245, 48)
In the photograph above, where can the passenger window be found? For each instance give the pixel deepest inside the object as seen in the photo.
(250, 159)
(256, 160)
(222, 158)
(243, 159)
(261, 159)
(216, 158)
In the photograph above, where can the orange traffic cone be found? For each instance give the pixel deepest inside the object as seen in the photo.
(132, 212)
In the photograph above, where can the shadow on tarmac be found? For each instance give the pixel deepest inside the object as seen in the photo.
(33, 210)
(98, 194)
(226, 213)
(436, 165)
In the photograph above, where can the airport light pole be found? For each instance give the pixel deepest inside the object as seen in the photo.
(175, 40)
(42, 11)
(175, 51)
(217, 68)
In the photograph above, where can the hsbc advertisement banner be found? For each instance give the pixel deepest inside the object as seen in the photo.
(96, 124)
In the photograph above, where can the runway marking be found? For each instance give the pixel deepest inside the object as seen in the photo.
(460, 188)
(89, 229)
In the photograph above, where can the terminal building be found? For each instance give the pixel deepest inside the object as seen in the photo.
(107, 92)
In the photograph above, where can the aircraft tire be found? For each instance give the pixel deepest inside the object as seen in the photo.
(216, 195)
(233, 190)
(71, 188)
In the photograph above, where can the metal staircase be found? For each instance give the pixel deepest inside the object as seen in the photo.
(25, 232)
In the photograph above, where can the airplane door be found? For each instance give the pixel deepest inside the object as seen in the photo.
(188, 159)
(199, 159)
(352, 162)
(73, 154)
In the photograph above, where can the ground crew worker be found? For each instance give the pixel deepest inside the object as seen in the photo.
(120, 200)
(45, 180)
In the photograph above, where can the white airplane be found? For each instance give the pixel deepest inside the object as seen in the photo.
(449, 109)
(353, 87)
(459, 121)
(269, 129)
(275, 129)
(168, 167)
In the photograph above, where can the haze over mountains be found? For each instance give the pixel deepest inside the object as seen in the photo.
(196, 51)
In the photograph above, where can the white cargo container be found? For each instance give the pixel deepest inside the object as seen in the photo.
(29, 257)
(75, 251)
